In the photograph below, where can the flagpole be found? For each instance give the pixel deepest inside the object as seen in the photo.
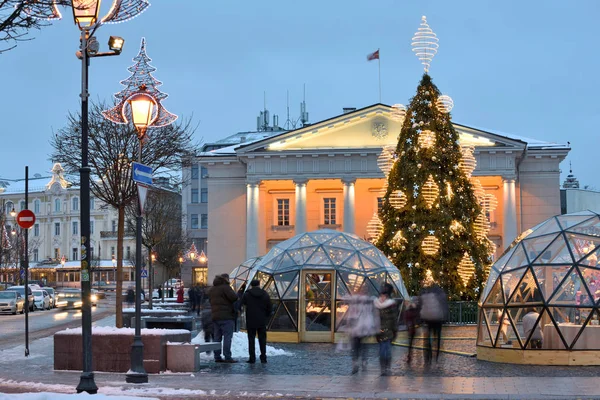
(379, 70)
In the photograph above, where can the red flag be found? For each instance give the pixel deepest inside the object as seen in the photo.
(373, 56)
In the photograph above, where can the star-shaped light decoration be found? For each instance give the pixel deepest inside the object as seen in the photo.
(416, 187)
(432, 232)
(409, 140)
(410, 265)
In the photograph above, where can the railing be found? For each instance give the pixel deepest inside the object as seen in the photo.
(462, 312)
(113, 235)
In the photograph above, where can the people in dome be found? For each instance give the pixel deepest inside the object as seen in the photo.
(529, 321)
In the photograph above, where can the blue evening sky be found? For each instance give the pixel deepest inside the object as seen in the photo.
(528, 68)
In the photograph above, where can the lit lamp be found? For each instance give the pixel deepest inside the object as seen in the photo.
(153, 257)
(192, 255)
(13, 213)
(85, 12)
(143, 113)
(202, 257)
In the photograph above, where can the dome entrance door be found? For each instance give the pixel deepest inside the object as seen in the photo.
(316, 305)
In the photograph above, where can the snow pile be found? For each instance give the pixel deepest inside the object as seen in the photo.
(239, 347)
(111, 330)
(59, 396)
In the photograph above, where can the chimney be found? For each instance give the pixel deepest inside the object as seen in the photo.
(347, 110)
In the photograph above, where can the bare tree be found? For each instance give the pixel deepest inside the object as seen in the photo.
(161, 222)
(112, 147)
(17, 19)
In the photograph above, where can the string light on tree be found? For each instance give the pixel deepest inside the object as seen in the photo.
(467, 163)
(445, 104)
(385, 161)
(426, 139)
(374, 228)
(466, 268)
(430, 191)
(430, 245)
(399, 112)
(397, 199)
(425, 44)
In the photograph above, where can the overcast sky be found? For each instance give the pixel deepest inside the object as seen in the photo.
(528, 68)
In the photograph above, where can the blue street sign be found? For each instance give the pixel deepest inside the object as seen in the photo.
(142, 173)
(22, 273)
(144, 273)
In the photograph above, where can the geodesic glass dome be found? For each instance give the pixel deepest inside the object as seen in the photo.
(544, 291)
(239, 275)
(310, 274)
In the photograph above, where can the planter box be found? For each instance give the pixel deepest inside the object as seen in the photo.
(111, 348)
(129, 316)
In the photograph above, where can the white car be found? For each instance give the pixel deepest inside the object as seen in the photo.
(41, 299)
(12, 302)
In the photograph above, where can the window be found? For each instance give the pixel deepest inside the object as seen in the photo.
(204, 195)
(114, 225)
(9, 207)
(75, 204)
(75, 254)
(203, 172)
(194, 221)
(283, 212)
(204, 221)
(128, 256)
(91, 253)
(194, 195)
(201, 244)
(36, 255)
(112, 252)
(36, 206)
(22, 205)
(75, 230)
(329, 217)
(195, 171)
(91, 227)
(57, 205)
(92, 201)
(56, 253)
(36, 230)
(379, 204)
(57, 229)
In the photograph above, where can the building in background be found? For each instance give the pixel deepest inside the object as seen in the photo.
(54, 240)
(574, 199)
(265, 187)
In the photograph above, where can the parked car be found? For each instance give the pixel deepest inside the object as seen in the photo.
(41, 299)
(12, 301)
(21, 291)
(52, 294)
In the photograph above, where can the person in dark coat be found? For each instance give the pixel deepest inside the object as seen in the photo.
(434, 311)
(192, 297)
(160, 293)
(222, 300)
(258, 311)
(411, 316)
(388, 326)
(238, 306)
(130, 298)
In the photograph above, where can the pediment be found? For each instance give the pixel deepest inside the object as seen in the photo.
(370, 127)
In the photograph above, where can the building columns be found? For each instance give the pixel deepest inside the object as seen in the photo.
(300, 223)
(509, 225)
(252, 232)
(349, 212)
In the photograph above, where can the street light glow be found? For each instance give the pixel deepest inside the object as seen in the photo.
(115, 43)
(142, 110)
(85, 12)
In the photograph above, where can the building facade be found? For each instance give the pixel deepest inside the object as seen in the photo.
(54, 240)
(328, 175)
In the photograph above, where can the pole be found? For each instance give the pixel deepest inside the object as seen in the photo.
(26, 266)
(137, 373)
(86, 380)
(379, 72)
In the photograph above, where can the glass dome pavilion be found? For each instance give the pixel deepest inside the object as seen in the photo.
(552, 270)
(310, 274)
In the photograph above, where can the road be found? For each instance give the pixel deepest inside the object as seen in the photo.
(46, 323)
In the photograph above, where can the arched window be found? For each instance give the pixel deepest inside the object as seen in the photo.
(9, 206)
(75, 204)
(57, 205)
(21, 205)
(36, 206)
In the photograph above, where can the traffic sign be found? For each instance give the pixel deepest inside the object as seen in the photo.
(141, 173)
(26, 219)
(144, 273)
(22, 274)
(142, 194)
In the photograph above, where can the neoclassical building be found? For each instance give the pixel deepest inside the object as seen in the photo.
(326, 175)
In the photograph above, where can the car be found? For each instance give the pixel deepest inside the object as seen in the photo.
(100, 294)
(94, 297)
(173, 282)
(52, 294)
(12, 301)
(70, 298)
(41, 299)
(21, 290)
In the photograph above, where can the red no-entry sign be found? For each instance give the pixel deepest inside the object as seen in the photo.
(26, 219)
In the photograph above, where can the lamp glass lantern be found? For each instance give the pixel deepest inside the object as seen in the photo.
(202, 257)
(85, 12)
(143, 111)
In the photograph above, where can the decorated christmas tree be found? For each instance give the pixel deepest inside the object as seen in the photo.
(434, 227)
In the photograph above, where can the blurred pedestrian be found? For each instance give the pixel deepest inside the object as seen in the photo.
(434, 311)
(222, 299)
(388, 326)
(200, 297)
(192, 297)
(238, 306)
(206, 319)
(160, 293)
(258, 312)
(411, 316)
(130, 298)
(361, 321)
(180, 292)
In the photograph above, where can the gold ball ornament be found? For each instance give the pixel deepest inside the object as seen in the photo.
(445, 104)
(397, 199)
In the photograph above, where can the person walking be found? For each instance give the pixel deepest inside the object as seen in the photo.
(411, 316)
(222, 300)
(361, 322)
(258, 311)
(434, 311)
(192, 297)
(130, 298)
(388, 326)
(180, 293)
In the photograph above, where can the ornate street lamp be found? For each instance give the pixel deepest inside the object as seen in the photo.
(202, 258)
(140, 103)
(86, 16)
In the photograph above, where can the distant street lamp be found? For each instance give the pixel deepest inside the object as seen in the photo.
(202, 258)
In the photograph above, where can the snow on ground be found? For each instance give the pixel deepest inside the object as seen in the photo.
(60, 396)
(37, 348)
(239, 347)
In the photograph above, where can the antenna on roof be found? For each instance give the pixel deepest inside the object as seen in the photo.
(262, 121)
(303, 112)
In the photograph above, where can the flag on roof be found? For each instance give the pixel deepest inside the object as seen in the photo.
(373, 56)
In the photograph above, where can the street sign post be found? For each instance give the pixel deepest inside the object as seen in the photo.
(26, 219)
(144, 273)
(141, 173)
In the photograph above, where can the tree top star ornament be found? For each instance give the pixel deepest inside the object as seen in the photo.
(425, 44)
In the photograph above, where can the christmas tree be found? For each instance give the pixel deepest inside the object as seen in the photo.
(433, 224)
